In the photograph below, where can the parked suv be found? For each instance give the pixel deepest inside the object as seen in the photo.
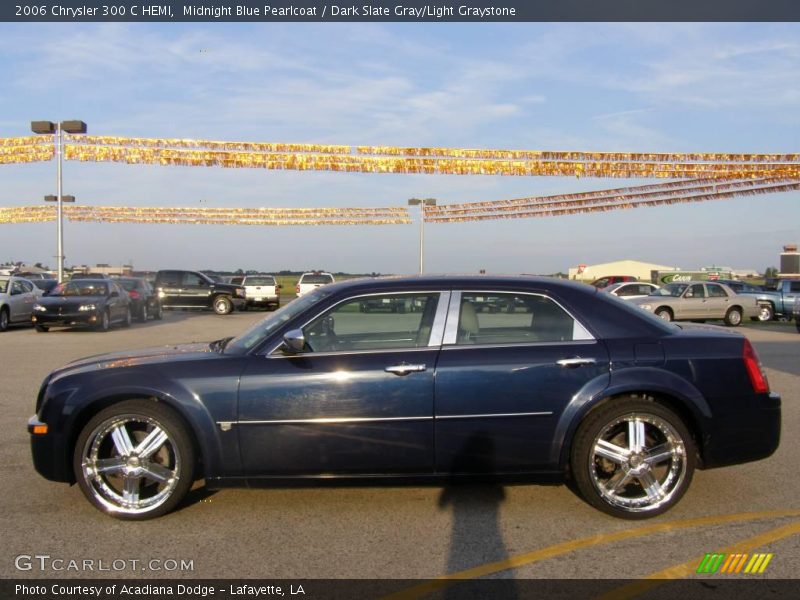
(310, 281)
(259, 290)
(192, 289)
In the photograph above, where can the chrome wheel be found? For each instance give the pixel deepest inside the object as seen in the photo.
(664, 313)
(765, 312)
(632, 458)
(134, 460)
(638, 462)
(222, 305)
(733, 317)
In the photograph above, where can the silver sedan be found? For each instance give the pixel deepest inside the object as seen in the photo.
(699, 301)
(17, 296)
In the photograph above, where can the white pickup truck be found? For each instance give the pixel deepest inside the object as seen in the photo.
(260, 290)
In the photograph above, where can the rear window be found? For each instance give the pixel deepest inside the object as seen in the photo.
(128, 284)
(316, 279)
(259, 281)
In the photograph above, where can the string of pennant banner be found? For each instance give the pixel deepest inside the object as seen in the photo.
(702, 177)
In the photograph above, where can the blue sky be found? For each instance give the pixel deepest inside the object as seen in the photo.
(615, 87)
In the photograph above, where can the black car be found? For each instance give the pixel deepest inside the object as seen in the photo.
(193, 289)
(93, 303)
(144, 300)
(580, 386)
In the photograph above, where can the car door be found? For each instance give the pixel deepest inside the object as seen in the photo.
(693, 303)
(359, 399)
(195, 290)
(17, 301)
(169, 288)
(718, 302)
(503, 380)
(29, 299)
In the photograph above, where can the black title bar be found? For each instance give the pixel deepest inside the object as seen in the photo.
(262, 11)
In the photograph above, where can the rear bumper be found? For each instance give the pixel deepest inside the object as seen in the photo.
(49, 454)
(745, 437)
(263, 300)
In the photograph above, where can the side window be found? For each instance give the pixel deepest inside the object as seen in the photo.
(514, 319)
(237, 280)
(645, 290)
(716, 291)
(391, 321)
(16, 287)
(27, 287)
(170, 278)
(695, 291)
(626, 290)
(794, 286)
(193, 279)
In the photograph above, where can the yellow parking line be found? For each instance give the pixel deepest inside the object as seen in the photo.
(689, 567)
(520, 560)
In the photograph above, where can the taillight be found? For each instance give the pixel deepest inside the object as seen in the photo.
(758, 379)
(134, 294)
(297, 289)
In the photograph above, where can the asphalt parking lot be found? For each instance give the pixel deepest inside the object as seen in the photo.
(514, 531)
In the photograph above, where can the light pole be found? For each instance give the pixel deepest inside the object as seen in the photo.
(50, 128)
(422, 203)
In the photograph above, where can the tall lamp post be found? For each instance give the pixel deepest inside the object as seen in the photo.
(58, 129)
(422, 203)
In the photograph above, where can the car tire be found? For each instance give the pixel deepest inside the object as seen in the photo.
(765, 312)
(41, 328)
(733, 318)
(664, 314)
(105, 322)
(138, 480)
(126, 322)
(638, 444)
(4, 320)
(222, 305)
(159, 314)
(143, 313)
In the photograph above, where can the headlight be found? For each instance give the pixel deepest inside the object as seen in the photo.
(85, 307)
(39, 307)
(646, 306)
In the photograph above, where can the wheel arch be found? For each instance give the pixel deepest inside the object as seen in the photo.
(662, 387)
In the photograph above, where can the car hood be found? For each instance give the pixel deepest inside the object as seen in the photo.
(144, 356)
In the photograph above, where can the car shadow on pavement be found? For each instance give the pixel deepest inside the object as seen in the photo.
(476, 538)
(199, 493)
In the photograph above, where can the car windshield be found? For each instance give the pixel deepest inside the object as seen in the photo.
(258, 332)
(3, 286)
(259, 281)
(81, 288)
(128, 284)
(316, 279)
(671, 289)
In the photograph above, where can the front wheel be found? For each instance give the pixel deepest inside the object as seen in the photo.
(134, 460)
(765, 312)
(632, 458)
(222, 305)
(143, 313)
(105, 322)
(3, 319)
(665, 314)
(733, 318)
(126, 322)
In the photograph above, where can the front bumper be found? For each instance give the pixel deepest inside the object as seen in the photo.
(49, 453)
(87, 318)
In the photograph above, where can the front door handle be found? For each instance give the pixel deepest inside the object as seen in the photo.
(405, 369)
(571, 363)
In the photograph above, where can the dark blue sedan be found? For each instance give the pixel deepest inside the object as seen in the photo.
(572, 384)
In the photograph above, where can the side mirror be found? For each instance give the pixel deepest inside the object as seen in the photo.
(294, 341)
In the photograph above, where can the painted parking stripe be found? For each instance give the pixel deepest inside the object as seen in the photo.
(513, 562)
(689, 567)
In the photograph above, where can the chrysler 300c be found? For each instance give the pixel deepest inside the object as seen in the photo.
(573, 385)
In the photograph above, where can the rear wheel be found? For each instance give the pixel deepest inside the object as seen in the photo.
(222, 305)
(126, 322)
(733, 318)
(3, 319)
(632, 458)
(143, 314)
(134, 460)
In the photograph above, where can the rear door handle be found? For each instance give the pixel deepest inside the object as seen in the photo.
(405, 369)
(571, 363)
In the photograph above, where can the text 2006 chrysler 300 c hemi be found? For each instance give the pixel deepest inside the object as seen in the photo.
(466, 376)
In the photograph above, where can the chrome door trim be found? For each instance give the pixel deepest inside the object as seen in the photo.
(496, 415)
(226, 425)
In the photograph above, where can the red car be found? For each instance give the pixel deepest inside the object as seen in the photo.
(606, 281)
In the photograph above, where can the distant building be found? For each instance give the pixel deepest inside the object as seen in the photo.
(104, 269)
(638, 269)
